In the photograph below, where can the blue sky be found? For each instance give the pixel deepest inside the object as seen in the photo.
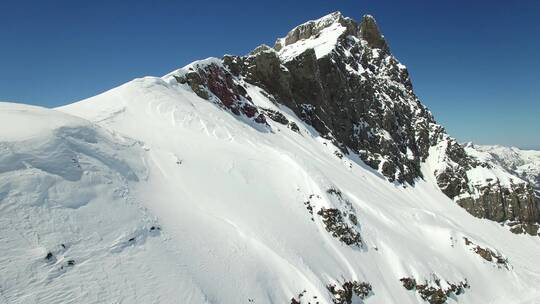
(475, 64)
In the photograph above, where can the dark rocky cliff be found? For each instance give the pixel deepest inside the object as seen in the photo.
(359, 96)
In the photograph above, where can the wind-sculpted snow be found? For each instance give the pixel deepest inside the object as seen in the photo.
(203, 186)
(68, 145)
(65, 204)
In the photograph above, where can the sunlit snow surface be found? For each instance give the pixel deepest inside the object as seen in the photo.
(323, 44)
(162, 197)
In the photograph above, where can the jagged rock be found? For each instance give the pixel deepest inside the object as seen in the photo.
(224, 86)
(341, 222)
(515, 203)
(314, 28)
(195, 82)
(339, 228)
(347, 106)
(487, 254)
(432, 292)
(369, 31)
(344, 294)
(293, 126)
(266, 70)
(408, 283)
(276, 116)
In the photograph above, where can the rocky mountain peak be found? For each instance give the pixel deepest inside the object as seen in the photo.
(340, 78)
(369, 31)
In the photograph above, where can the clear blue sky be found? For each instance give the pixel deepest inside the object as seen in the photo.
(474, 63)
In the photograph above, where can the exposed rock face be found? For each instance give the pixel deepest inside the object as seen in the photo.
(488, 254)
(369, 31)
(337, 225)
(339, 77)
(349, 291)
(516, 203)
(432, 292)
(211, 80)
(358, 96)
(496, 193)
(313, 28)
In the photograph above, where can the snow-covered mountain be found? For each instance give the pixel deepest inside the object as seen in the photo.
(522, 163)
(307, 172)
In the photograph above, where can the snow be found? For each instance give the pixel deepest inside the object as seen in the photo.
(27, 122)
(488, 171)
(322, 45)
(229, 203)
(327, 31)
(192, 67)
(358, 72)
(497, 173)
(65, 193)
(523, 163)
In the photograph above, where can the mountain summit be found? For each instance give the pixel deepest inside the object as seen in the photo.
(339, 77)
(307, 172)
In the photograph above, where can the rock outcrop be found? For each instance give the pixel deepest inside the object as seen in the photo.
(435, 291)
(340, 77)
(369, 31)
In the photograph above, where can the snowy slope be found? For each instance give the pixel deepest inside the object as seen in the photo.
(232, 199)
(71, 230)
(148, 193)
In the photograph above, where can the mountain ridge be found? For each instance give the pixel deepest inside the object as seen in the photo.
(267, 178)
(356, 93)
